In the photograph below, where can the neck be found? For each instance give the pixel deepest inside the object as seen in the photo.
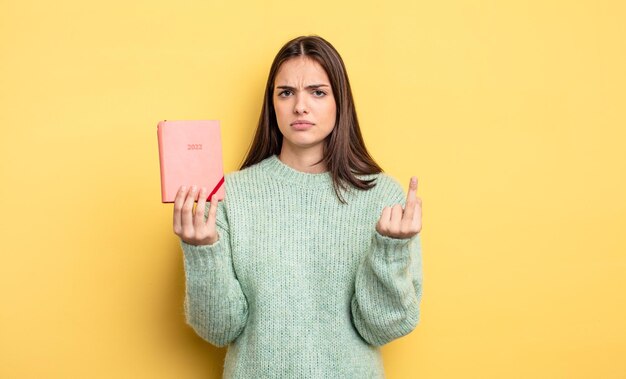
(303, 160)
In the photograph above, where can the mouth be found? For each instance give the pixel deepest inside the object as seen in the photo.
(301, 123)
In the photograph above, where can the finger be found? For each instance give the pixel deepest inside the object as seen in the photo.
(411, 200)
(187, 215)
(396, 217)
(212, 211)
(385, 219)
(418, 208)
(412, 193)
(178, 206)
(416, 223)
(198, 218)
(409, 210)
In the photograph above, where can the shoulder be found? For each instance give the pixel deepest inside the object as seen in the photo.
(393, 189)
(246, 174)
(388, 189)
(389, 182)
(238, 185)
(250, 179)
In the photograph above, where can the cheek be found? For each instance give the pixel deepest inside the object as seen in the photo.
(279, 108)
(331, 112)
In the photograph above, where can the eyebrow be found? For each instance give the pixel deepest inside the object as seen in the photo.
(312, 86)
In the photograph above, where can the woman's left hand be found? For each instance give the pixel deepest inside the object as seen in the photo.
(398, 223)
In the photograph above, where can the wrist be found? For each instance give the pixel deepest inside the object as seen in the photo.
(203, 242)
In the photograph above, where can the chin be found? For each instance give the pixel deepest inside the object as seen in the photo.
(303, 143)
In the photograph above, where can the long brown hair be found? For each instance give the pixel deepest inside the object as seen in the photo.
(345, 154)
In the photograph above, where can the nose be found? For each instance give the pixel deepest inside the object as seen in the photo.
(300, 106)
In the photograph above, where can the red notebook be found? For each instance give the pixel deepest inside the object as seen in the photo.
(190, 152)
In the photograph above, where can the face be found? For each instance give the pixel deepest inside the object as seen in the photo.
(304, 103)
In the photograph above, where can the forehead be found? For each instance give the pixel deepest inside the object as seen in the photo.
(301, 70)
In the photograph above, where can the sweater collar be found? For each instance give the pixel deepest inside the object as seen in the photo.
(285, 173)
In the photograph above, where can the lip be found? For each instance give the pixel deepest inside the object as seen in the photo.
(301, 122)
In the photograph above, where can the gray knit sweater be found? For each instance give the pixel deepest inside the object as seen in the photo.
(299, 285)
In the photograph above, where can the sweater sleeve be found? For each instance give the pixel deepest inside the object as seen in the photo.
(215, 305)
(388, 286)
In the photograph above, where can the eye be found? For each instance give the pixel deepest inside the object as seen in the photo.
(319, 93)
(280, 94)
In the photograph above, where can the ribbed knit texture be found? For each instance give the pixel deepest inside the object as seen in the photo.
(299, 285)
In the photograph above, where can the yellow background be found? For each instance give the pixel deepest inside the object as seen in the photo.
(511, 114)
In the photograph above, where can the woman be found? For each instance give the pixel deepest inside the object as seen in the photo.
(310, 263)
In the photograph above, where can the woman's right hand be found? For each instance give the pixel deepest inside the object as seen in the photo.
(190, 225)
